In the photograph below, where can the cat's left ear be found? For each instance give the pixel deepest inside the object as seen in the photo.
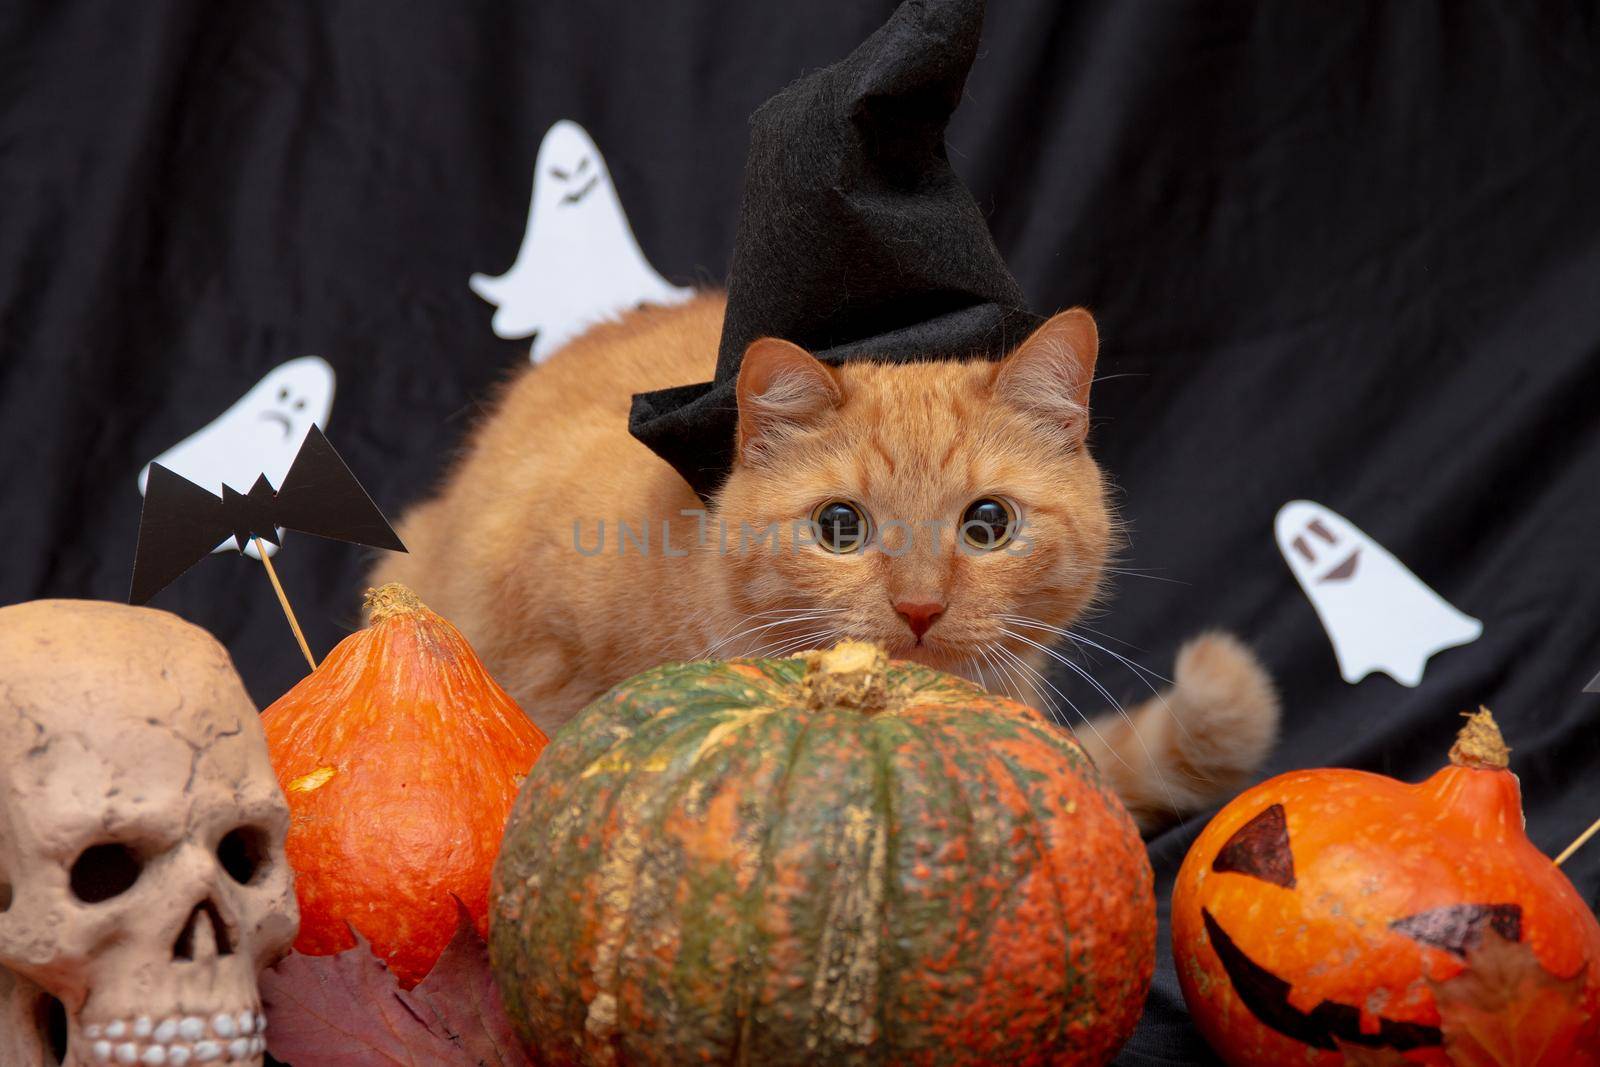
(1049, 374)
(781, 388)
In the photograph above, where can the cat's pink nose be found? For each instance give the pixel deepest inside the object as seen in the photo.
(919, 614)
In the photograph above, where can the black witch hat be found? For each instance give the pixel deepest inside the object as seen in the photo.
(856, 239)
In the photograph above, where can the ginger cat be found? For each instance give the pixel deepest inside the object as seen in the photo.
(947, 510)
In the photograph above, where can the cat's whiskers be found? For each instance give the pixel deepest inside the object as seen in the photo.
(1139, 671)
(785, 612)
(1077, 669)
(997, 656)
(1042, 700)
(822, 626)
(1023, 687)
(1060, 631)
(988, 657)
(1113, 701)
(1060, 716)
(1137, 668)
(1101, 633)
(983, 678)
(970, 670)
(779, 649)
(789, 618)
(1006, 659)
(803, 643)
(1143, 574)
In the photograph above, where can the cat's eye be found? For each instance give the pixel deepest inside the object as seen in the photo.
(841, 526)
(988, 523)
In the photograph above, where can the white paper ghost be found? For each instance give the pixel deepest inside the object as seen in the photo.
(579, 263)
(259, 434)
(1379, 616)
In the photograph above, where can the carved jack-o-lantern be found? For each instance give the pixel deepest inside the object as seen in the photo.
(1321, 910)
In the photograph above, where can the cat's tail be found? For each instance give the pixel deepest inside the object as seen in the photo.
(1194, 744)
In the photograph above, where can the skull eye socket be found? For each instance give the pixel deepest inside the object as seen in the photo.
(102, 872)
(243, 853)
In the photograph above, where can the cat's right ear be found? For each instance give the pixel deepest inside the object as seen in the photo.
(782, 387)
(1049, 374)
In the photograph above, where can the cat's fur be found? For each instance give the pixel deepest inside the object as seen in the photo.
(497, 550)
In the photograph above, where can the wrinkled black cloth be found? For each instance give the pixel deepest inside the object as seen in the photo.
(1344, 253)
(856, 238)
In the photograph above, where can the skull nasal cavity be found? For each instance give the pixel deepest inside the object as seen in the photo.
(50, 1017)
(205, 935)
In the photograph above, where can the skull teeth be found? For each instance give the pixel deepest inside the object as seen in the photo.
(178, 1040)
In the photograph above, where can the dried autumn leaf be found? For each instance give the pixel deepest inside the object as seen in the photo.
(348, 1010)
(462, 992)
(1506, 1010)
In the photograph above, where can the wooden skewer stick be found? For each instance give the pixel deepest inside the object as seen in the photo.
(283, 599)
(1579, 843)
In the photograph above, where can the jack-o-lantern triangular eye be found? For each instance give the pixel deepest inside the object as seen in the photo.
(1260, 848)
(1459, 927)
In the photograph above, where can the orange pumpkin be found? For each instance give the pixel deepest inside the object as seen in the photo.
(400, 758)
(1334, 910)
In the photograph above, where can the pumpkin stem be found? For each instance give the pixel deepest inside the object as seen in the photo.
(849, 675)
(1479, 744)
(389, 600)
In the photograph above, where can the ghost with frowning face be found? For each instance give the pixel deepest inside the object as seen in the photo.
(579, 262)
(259, 434)
(1379, 616)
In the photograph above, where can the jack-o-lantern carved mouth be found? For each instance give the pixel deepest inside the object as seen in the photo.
(1260, 850)
(1267, 997)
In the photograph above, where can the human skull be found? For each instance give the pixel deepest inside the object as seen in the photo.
(143, 882)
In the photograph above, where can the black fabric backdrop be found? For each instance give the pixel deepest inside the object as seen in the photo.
(1343, 252)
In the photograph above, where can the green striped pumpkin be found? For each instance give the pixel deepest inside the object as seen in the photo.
(829, 859)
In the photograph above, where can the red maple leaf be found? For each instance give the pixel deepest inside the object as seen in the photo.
(348, 1010)
(1506, 1010)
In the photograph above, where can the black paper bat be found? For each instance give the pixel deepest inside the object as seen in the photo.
(182, 523)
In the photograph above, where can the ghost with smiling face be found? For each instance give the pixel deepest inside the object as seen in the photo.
(259, 434)
(579, 262)
(1379, 616)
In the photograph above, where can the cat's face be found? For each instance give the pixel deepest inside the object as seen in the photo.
(916, 505)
